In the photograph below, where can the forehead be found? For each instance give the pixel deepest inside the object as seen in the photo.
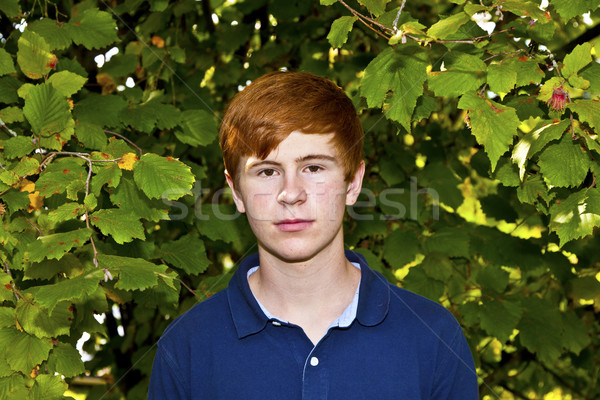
(298, 146)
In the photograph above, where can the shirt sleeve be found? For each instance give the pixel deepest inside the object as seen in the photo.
(455, 376)
(166, 380)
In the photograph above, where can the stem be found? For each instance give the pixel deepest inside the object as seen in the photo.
(3, 125)
(126, 139)
(14, 288)
(395, 24)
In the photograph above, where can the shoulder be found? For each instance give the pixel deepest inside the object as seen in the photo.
(200, 320)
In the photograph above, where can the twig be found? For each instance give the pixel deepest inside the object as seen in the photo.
(125, 139)
(37, 228)
(87, 216)
(14, 289)
(3, 125)
(364, 18)
(503, 54)
(395, 24)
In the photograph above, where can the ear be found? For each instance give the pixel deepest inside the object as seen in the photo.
(355, 185)
(237, 197)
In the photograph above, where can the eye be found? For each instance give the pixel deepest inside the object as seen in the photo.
(314, 168)
(267, 172)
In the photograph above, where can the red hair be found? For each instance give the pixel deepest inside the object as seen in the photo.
(263, 115)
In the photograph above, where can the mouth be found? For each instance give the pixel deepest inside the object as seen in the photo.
(293, 225)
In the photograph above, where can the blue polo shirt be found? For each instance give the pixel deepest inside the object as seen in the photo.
(399, 346)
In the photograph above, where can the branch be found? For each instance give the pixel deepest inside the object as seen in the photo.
(14, 288)
(364, 18)
(126, 139)
(3, 125)
(395, 24)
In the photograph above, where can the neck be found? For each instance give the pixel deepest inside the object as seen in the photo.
(311, 293)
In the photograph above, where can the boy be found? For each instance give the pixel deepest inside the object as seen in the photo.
(303, 318)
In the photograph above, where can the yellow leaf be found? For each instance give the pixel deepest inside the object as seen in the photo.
(35, 201)
(108, 84)
(158, 41)
(35, 371)
(27, 186)
(127, 161)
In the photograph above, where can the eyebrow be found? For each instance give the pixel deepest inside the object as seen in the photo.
(309, 157)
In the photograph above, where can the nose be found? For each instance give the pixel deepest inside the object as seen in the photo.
(292, 191)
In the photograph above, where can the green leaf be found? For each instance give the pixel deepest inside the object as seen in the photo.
(92, 136)
(120, 224)
(67, 83)
(16, 200)
(93, 29)
(440, 183)
(575, 334)
(56, 245)
(401, 247)
(340, 28)
(533, 188)
(425, 106)
(375, 7)
(6, 294)
(588, 111)
(53, 32)
(22, 350)
(500, 78)
(569, 8)
(437, 266)
(9, 115)
(39, 322)
(78, 288)
(403, 71)
(7, 65)
(34, 56)
(417, 281)
(69, 265)
(87, 110)
(187, 253)
(327, 2)
(121, 65)
(493, 278)
(18, 146)
(59, 175)
(161, 177)
(47, 387)
(25, 167)
(591, 73)
(66, 212)
(564, 164)
(65, 360)
(128, 197)
(464, 73)
(577, 59)
(525, 9)
(198, 126)
(540, 329)
(571, 219)
(134, 273)
(499, 317)
(109, 175)
(8, 89)
(12, 387)
(528, 71)
(11, 8)
(535, 141)
(454, 242)
(492, 124)
(585, 287)
(46, 110)
(447, 26)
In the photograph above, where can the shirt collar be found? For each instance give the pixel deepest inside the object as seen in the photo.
(248, 318)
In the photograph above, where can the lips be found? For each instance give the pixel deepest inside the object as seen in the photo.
(293, 225)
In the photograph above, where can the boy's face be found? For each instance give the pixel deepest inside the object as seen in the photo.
(295, 198)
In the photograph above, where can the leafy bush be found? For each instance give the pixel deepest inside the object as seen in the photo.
(482, 157)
